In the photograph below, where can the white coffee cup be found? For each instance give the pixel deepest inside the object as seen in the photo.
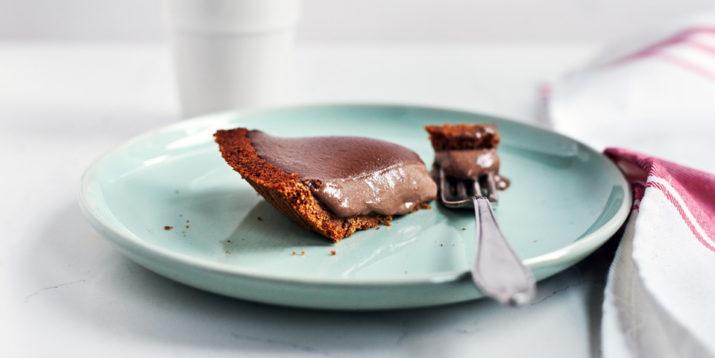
(231, 54)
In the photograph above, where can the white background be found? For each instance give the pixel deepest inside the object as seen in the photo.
(74, 83)
(363, 20)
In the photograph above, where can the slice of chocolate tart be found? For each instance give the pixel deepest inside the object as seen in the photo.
(331, 185)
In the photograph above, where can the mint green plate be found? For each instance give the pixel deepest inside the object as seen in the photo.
(565, 201)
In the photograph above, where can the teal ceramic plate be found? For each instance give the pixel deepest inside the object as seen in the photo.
(564, 202)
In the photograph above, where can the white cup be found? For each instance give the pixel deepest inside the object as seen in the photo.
(231, 54)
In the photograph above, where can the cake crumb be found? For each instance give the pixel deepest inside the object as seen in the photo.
(387, 223)
(332, 252)
(441, 245)
(259, 218)
(294, 253)
(377, 228)
(302, 253)
(187, 226)
(464, 229)
(229, 241)
(228, 252)
(167, 227)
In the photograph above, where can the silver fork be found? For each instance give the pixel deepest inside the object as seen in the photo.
(497, 270)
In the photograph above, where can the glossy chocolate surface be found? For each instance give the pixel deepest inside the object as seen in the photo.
(352, 175)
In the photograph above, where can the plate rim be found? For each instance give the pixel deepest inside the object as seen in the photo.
(562, 255)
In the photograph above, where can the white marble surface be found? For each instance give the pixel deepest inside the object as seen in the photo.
(65, 291)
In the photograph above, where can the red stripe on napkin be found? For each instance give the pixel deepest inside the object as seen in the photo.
(688, 65)
(683, 38)
(679, 38)
(690, 191)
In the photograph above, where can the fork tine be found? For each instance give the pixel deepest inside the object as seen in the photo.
(477, 189)
(444, 187)
(491, 187)
(446, 191)
(461, 189)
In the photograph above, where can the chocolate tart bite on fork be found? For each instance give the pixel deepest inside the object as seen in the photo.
(467, 166)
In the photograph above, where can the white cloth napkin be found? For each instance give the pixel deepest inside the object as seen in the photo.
(655, 95)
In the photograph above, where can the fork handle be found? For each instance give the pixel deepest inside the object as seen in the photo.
(497, 270)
